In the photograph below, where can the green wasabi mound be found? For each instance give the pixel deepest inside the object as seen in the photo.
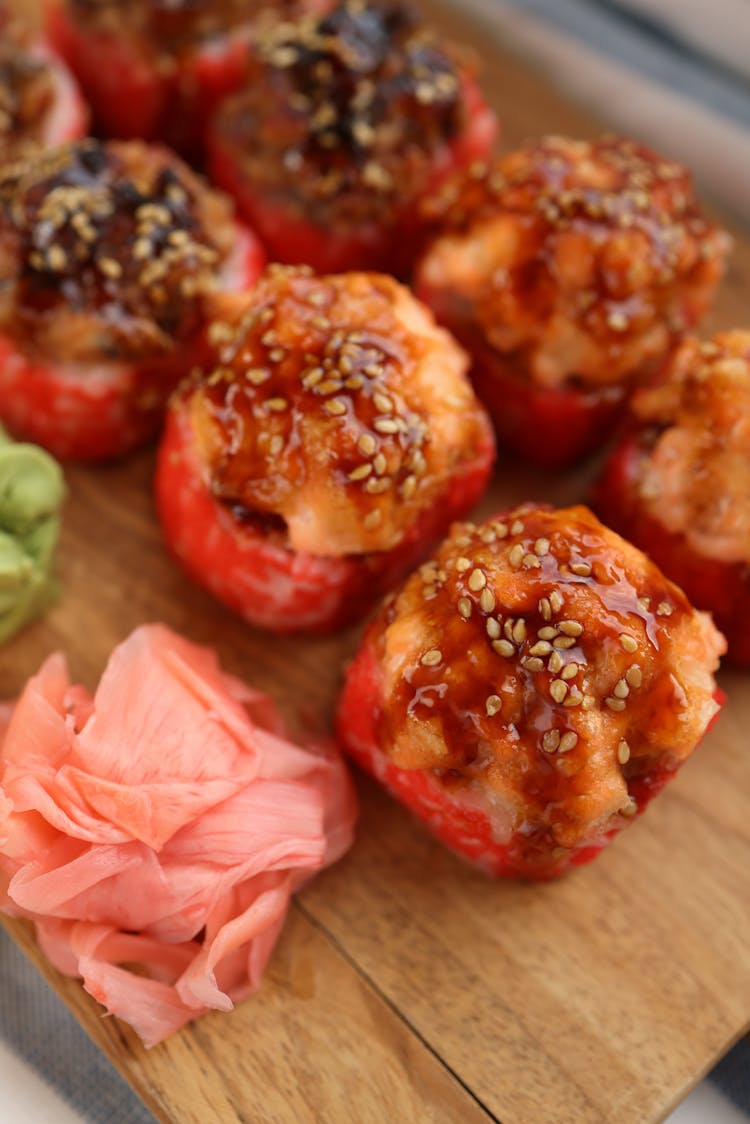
(32, 490)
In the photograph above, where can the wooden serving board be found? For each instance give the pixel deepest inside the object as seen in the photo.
(407, 986)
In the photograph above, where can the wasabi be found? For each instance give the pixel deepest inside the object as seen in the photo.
(32, 490)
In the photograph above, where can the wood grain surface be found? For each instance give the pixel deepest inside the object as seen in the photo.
(408, 987)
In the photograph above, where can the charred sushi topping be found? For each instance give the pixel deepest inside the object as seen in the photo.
(341, 384)
(119, 230)
(367, 98)
(26, 95)
(695, 472)
(595, 251)
(540, 651)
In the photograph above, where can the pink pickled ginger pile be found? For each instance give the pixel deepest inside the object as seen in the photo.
(156, 832)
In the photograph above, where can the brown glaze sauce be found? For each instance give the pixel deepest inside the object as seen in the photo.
(120, 233)
(344, 113)
(535, 655)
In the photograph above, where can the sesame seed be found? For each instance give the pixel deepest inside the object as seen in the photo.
(373, 519)
(570, 628)
(551, 741)
(477, 580)
(617, 321)
(367, 444)
(564, 642)
(492, 626)
(312, 377)
(110, 268)
(519, 631)
(321, 322)
(615, 704)
(549, 632)
(464, 609)
(568, 741)
(335, 406)
(328, 386)
(463, 564)
(493, 704)
(623, 752)
(487, 600)
(530, 562)
(570, 671)
(361, 472)
(257, 375)
(621, 689)
(541, 648)
(376, 487)
(432, 658)
(276, 444)
(354, 382)
(409, 487)
(501, 530)
(664, 609)
(629, 643)
(57, 258)
(383, 404)
(143, 249)
(533, 663)
(503, 648)
(380, 464)
(581, 569)
(516, 527)
(556, 601)
(385, 425)
(634, 676)
(516, 556)
(575, 697)
(277, 405)
(545, 609)
(541, 547)
(558, 689)
(589, 702)
(555, 662)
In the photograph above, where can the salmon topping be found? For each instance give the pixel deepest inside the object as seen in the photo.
(579, 261)
(336, 404)
(695, 473)
(545, 661)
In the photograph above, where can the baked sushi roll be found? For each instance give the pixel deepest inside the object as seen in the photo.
(344, 123)
(109, 251)
(39, 101)
(530, 689)
(569, 270)
(331, 437)
(678, 484)
(154, 69)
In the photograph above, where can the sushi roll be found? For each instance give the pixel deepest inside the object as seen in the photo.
(530, 689)
(153, 69)
(109, 251)
(39, 100)
(331, 437)
(678, 484)
(569, 270)
(344, 123)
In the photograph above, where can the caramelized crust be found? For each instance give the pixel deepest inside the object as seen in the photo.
(109, 249)
(344, 115)
(544, 659)
(580, 261)
(167, 27)
(336, 404)
(695, 474)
